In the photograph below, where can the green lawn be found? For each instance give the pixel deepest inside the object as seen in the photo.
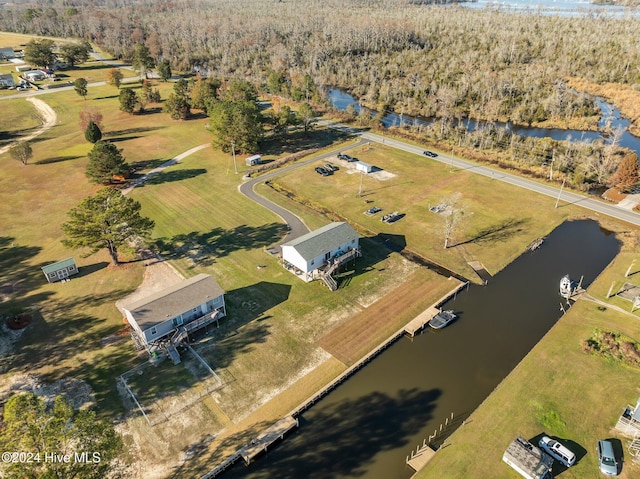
(559, 390)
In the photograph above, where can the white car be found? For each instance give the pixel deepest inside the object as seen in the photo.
(558, 451)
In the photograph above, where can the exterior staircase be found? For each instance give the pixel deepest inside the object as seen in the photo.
(334, 264)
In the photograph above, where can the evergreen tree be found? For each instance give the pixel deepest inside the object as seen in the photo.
(164, 70)
(107, 220)
(306, 116)
(178, 105)
(29, 425)
(40, 53)
(128, 100)
(92, 134)
(237, 122)
(105, 161)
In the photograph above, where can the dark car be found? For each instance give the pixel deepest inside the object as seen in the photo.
(429, 153)
(342, 156)
(330, 167)
(322, 171)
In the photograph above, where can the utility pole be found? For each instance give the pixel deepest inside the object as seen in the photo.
(557, 200)
(233, 152)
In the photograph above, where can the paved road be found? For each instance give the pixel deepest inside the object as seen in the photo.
(296, 226)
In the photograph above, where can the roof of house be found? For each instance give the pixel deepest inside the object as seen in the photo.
(53, 267)
(8, 77)
(323, 240)
(174, 300)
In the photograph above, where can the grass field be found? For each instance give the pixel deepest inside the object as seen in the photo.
(558, 390)
(494, 214)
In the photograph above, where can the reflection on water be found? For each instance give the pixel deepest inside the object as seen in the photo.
(367, 426)
(565, 8)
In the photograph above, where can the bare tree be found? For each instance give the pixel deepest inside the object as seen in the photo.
(453, 215)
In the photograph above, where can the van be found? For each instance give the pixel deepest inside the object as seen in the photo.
(558, 451)
(606, 458)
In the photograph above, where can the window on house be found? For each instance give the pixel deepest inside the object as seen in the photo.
(153, 331)
(313, 261)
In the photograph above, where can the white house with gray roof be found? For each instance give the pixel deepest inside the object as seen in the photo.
(168, 316)
(318, 253)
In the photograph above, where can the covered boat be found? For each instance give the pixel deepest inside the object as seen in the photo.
(443, 318)
(566, 287)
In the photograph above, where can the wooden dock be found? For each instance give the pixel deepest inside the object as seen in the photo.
(420, 321)
(421, 457)
(268, 437)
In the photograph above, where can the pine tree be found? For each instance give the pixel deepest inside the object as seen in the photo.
(92, 134)
(105, 161)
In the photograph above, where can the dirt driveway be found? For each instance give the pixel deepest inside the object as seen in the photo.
(47, 115)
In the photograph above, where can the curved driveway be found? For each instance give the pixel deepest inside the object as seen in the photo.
(296, 226)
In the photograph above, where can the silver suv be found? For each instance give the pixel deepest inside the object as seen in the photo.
(606, 458)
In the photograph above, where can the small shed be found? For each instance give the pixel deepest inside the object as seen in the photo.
(364, 167)
(7, 81)
(253, 160)
(60, 270)
(527, 460)
(23, 68)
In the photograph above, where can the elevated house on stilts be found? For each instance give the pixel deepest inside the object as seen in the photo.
(163, 320)
(320, 253)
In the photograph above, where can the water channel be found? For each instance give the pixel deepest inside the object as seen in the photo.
(341, 100)
(367, 426)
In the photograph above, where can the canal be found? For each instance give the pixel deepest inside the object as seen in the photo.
(367, 426)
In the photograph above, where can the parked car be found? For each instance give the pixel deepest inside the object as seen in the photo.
(321, 171)
(606, 458)
(330, 167)
(557, 450)
(344, 157)
(429, 153)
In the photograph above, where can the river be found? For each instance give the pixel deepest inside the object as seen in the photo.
(368, 425)
(341, 100)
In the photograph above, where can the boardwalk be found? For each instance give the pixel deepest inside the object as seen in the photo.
(420, 321)
(268, 437)
(421, 457)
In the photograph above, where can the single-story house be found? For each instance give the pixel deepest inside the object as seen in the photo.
(23, 68)
(7, 81)
(35, 75)
(316, 254)
(364, 167)
(174, 312)
(6, 53)
(60, 270)
(528, 460)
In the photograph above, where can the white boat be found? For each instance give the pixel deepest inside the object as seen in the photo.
(566, 287)
(443, 318)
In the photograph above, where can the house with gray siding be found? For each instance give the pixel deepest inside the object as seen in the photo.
(7, 81)
(166, 318)
(317, 254)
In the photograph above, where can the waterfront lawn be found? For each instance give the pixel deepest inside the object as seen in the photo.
(497, 224)
(558, 390)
